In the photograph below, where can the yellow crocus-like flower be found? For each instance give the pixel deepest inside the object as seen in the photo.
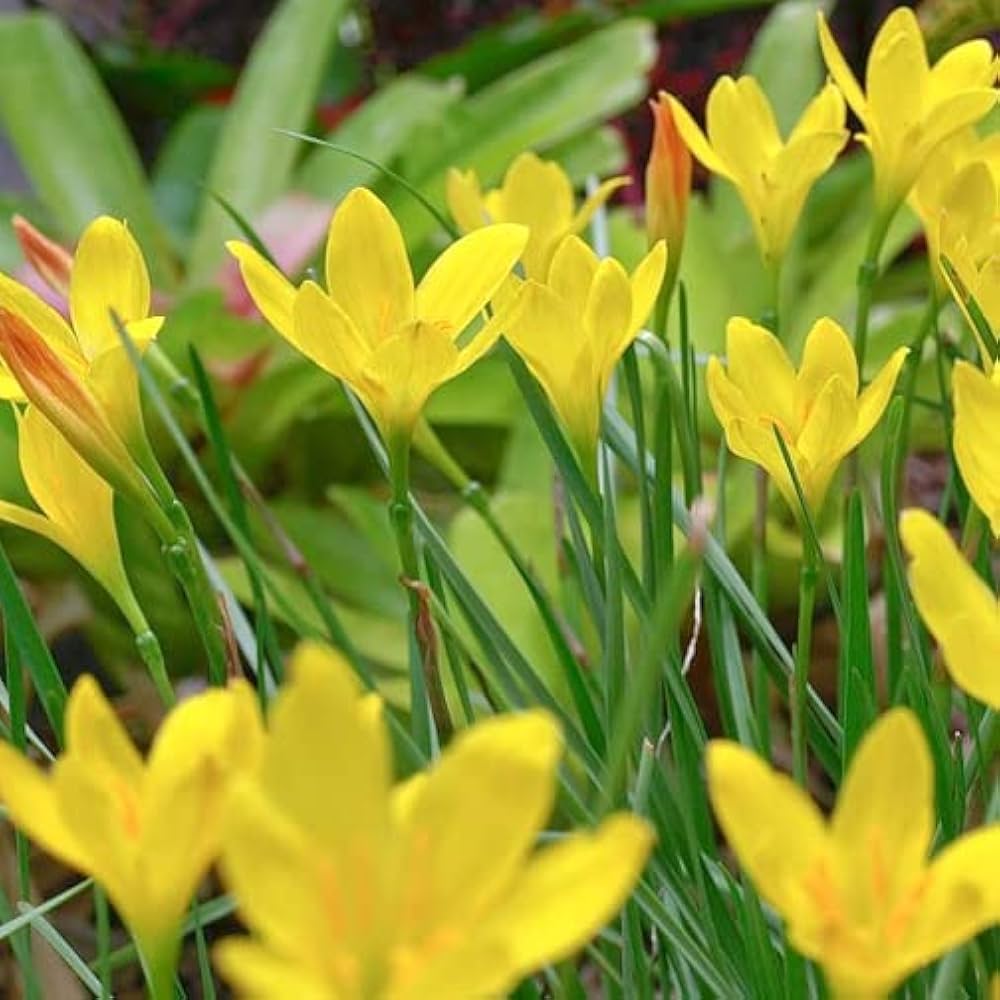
(743, 145)
(572, 330)
(393, 344)
(818, 410)
(960, 610)
(976, 399)
(858, 892)
(355, 887)
(77, 509)
(908, 108)
(145, 831)
(534, 192)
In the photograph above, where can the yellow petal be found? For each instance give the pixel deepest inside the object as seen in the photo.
(759, 366)
(465, 277)
(741, 125)
(962, 896)
(476, 966)
(884, 818)
(826, 112)
(828, 351)
(367, 270)
(257, 973)
(593, 202)
(570, 890)
(572, 271)
(772, 826)
(95, 735)
(271, 291)
(953, 114)
(977, 436)
(465, 199)
(537, 193)
(646, 281)
(840, 71)
(79, 503)
(109, 274)
(324, 333)
(29, 798)
(697, 141)
(480, 344)
(323, 766)
(960, 610)
(875, 398)
(727, 399)
(608, 313)
(476, 817)
(826, 434)
(968, 66)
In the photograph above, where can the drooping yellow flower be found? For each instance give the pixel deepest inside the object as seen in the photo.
(818, 410)
(908, 108)
(145, 831)
(535, 193)
(668, 186)
(572, 330)
(393, 344)
(77, 509)
(773, 176)
(960, 610)
(353, 887)
(858, 893)
(976, 399)
(107, 274)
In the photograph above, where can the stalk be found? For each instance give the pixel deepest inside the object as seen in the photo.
(803, 650)
(867, 273)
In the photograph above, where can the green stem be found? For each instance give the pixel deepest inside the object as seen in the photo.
(428, 703)
(867, 273)
(103, 941)
(803, 653)
(759, 586)
(159, 966)
(151, 653)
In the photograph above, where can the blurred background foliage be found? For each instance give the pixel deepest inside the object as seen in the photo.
(148, 110)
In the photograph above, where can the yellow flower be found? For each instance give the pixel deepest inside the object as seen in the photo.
(909, 108)
(572, 330)
(146, 831)
(976, 398)
(534, 192)
(353, 887)
(668, 186)
(858, 893)
(77, 509)
(392, 344)
(817, 410)
(959, 608)
(772, 176)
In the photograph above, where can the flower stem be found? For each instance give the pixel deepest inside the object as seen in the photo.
(759, 585)
(149, 649)
(803, 652)
(867, 273)
(159, 965)
(428, 703)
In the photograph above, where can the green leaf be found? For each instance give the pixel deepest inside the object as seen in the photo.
(69, 137)
(278, 89)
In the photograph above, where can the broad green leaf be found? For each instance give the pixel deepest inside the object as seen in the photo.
(379, 129)
(278, 89)
(69, 137)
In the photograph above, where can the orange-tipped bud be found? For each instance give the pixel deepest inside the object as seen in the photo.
(668, 185)
(50, 383)
(52, 262)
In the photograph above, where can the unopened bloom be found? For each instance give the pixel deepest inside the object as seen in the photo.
(668, 186)
(77, 509)
(536, 193)
(908, 107)
(354, 887)
(858, 892)
(960, 610)
(773, 176)
(572, 330)
(976, 399)
(818, 410)
(52, 262)
(393, 344)
(145, 831)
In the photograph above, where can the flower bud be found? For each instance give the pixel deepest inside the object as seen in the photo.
(51, 262)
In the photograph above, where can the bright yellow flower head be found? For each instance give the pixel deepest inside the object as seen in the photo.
(908, 108)
(976, 398)
(534, 192)
(77, 509)
(354, 887)
(960, 610)
(393, 344)
(773, 176)
(858, 893)
(146, 831)
(818, 410)
(572, 330)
